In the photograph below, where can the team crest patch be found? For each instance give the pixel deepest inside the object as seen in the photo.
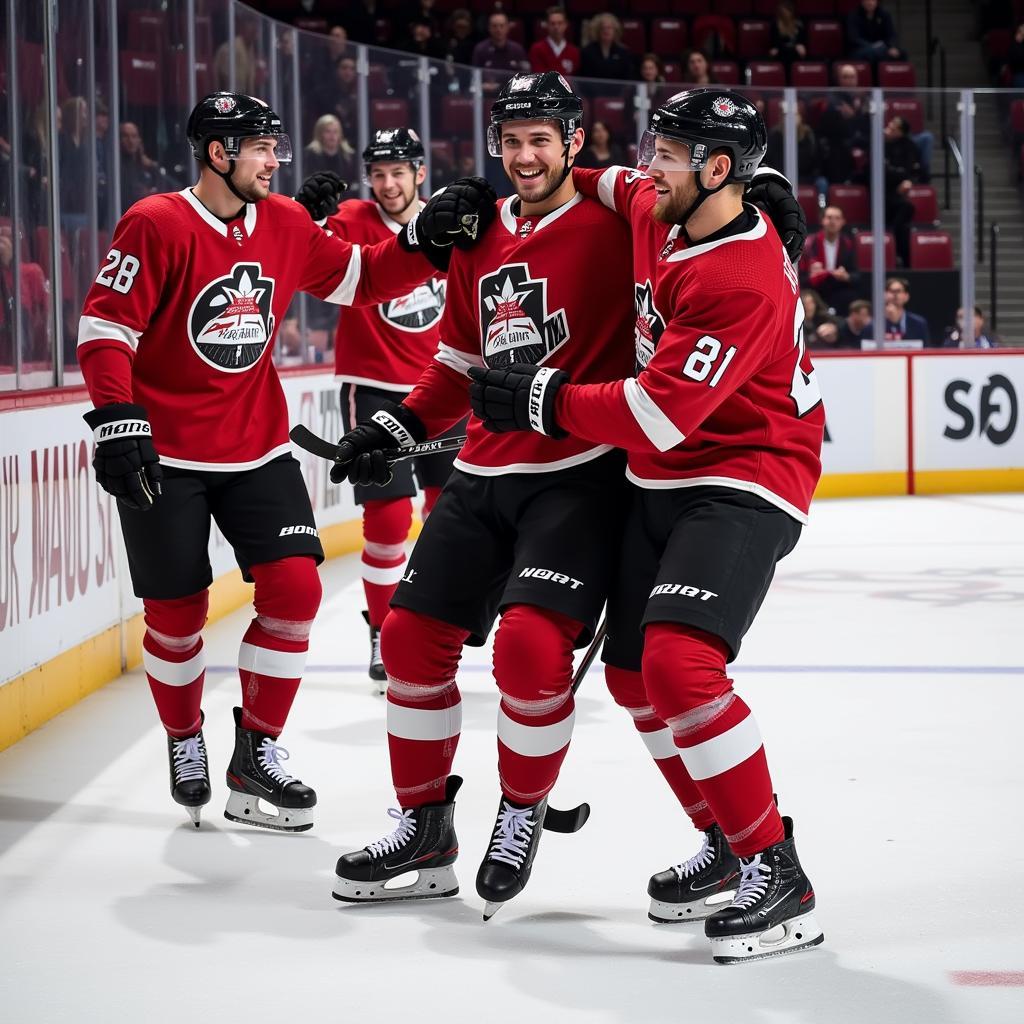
(515, 324)
(650, 324)
(723, 106)
(224, 104)
(230, 323)
(525, 228)
(417, 311)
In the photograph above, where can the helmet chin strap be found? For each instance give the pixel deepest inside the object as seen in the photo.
(703, 193)
(225, 176)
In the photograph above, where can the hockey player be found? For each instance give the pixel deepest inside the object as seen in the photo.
(379, 353)
(191, 426)
(723, 423)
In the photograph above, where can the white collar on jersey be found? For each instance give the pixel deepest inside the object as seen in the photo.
(215, 222)
(757, 231)
(508, 218)
(392, 225)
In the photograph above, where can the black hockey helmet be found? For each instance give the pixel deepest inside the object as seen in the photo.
(707, 120)
(230, 117)
(393, 145)
(535, 97)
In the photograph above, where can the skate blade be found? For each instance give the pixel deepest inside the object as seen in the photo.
(789, 937)
(247, 810)
(430, 884)
(194, 814)
(661, 912)
(490, 909)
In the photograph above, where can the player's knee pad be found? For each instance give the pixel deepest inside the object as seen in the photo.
(419, 651)
(387, 522)
(287, 596)
(177, 623)
(533, 657)
(684, 671)
(628, 691)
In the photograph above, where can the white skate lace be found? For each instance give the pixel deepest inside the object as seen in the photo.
(189, 759)
(753, 882)
(270, 756)
(512, 833)
(698, 862)
(405, 831)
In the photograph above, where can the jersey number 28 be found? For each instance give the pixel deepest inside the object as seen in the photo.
(119, 271)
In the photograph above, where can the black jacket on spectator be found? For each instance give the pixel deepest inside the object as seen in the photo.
(346, 167)
(808, 159)
(615, 157)
(902, 163)
(594, 64)
(864, 30)
(786, 44)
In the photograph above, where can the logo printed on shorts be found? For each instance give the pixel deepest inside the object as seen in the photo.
(550, 574)
(669, 589)
(288, 531)
(407, 578)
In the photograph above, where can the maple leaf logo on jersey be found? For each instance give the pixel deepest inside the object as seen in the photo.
(514, 321)
(650, 324)
(417, 311)
(230, 322)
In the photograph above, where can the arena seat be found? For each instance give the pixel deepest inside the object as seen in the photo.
(146, 31)
(673, 71)
(865, 249)
(734, 8)
(668, 36)
(815, 8)
(140, 79)
(457, 115)
(707, 28)
(612, 110)
(926, 203)
(853, 200)
(725, 72)
(766, 74)
(388, 113)
(907, 107)
(634, 35)
(896, 74)
(808, 74)
(753, 38)
(825, 38)
(931, 250)
(807, 196)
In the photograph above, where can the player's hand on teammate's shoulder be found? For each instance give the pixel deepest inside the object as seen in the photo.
(362, 455)
(457, 215)
(126, 463)
(519, 397)
(772, 192)
(321, 193)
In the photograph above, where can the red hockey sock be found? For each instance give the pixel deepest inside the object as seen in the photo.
(533, 668)
(627, 690)
(172, 653)
(430, 496)
(421, 656)
(385, 529)
(717, 736)
(272, 656)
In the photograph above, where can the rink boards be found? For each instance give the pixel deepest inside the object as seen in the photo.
(898, 423)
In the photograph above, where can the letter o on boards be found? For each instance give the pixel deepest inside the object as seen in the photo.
(989, 409)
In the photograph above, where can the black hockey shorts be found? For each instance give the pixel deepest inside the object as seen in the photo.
(544, 539)
(264, 514)
(702, 556)
(359, 403)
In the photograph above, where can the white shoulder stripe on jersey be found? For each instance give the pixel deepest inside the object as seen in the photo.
(757, 231)
(345, 293)
(660, 430)
(93, 328)
(606, 186)
(456, 359)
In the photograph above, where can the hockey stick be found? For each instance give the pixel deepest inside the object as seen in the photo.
(324, 449)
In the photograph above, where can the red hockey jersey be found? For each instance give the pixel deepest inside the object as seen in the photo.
(182, 316)
(724, 391)
(551, 290)
(388, 345)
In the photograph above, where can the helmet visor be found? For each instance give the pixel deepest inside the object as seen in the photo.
(673, 157)
(259, 147)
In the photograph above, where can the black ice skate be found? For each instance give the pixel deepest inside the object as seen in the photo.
(772, 912)
(697, 887)
(376, 672)
(506, 867)
(255, 774)
(190, 772)
(424, 843)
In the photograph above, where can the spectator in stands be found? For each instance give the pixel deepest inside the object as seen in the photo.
(421, 40)
(983, 337)
(808, 157)
(34, 301)
(35, 149)
(321, 56)
(605, 56)
(601, 149)
(459, 38)
(497, 52)
(898, 326)
(1015, 59)
(554, 52)
(420, 10)
(856, 325)
(821, 329)
(340, 96)
(74, 153)
(844, 127)
(103, 158)
(902, 169)
(829, 263)
(789, 37)
(140, 174)
(904, 323)
(697, 68)
(247, 69)
(360, 19)
(331, 151)
(652, 78)
(871, 33)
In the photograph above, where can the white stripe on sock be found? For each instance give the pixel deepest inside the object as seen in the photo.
(535, 740)
(715, 756)
(422, 724)
(174, 673)
(660, 743)
(265, 662)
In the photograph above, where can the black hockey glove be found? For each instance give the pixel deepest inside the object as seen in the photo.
(126, 463)
(320, 194)
(521, 397)
(772, 192)
(457, 215)
(362, 455)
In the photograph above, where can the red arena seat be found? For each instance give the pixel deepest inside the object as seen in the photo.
(809, 74)
(931, 250)
(388, 113)
(768, 73)
(896, 74)
(865, 249)
(709, 30)
(457, 115)
(853, 201)
(753, 38)
(807, 196)
(725, 72)
(634, 35)
(825, 39)
(911, 109)
(612, 110)
(668, 36)
(926, 203)
(140, 79)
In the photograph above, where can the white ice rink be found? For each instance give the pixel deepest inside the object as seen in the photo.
(886, 671)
